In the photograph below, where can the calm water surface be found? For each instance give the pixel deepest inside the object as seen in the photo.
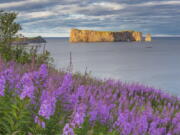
(156, 63)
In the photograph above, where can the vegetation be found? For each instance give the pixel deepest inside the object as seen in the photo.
(36, 99)
(41, 100)
(17, 53)
(8, 27)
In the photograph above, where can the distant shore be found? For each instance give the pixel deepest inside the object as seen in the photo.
(29, 40)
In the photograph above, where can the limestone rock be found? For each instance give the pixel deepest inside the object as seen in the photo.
(103, 36)
(148, 37)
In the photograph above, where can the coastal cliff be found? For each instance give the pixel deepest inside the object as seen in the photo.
(103, 36)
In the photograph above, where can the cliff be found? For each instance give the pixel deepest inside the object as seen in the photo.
(148, 37)
(103, 36)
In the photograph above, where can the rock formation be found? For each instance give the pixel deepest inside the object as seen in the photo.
(103, 36)
(148, 37)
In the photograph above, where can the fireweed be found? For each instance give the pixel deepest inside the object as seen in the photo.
(2, 85)
(126, 108)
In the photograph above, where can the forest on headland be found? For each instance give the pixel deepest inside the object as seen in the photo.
(37, 99)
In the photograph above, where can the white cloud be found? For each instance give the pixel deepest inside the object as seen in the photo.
(158, 3)
(38, 14)
(165, 35)
(34, 34)
(110, 5)
(72, 12)
(20, 3)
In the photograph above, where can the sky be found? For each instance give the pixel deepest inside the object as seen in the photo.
(55, 18)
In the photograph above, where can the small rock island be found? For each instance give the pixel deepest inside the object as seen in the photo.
(148, 37)
(77, 35)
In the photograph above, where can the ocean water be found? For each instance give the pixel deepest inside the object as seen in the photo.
(155, 63)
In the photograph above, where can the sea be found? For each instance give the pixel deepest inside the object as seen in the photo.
(155, 63)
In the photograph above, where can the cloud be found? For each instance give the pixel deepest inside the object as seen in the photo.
(109, 5)
(165, 35)
(50, 16)
(158, 3)
(45, 34)
(38, 14)
(20, 3)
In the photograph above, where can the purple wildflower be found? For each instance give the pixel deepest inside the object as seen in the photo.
(11, 77)
(27, 86)
(78, 115)
(41, 77)
(142, 124)
(40, 122)
(65, 87)
(48, 103)
(78, 95)
(67, 130)
(100, 110)
(176, 123)
(43, 71)
(177, 129)
(2, 85)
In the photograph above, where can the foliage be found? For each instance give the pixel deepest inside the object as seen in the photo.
(15, 117)
(97, 129)
(21, 54)
(44, 101)
(18, 53)
(8, 26)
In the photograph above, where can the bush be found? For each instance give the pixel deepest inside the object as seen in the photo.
(21, 54)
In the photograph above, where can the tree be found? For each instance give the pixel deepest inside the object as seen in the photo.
(8, 27)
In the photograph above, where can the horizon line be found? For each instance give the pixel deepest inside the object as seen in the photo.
(67, 36)
(143, 36)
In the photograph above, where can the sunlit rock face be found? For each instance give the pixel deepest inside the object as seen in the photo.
(103, 36)
(148, 37)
